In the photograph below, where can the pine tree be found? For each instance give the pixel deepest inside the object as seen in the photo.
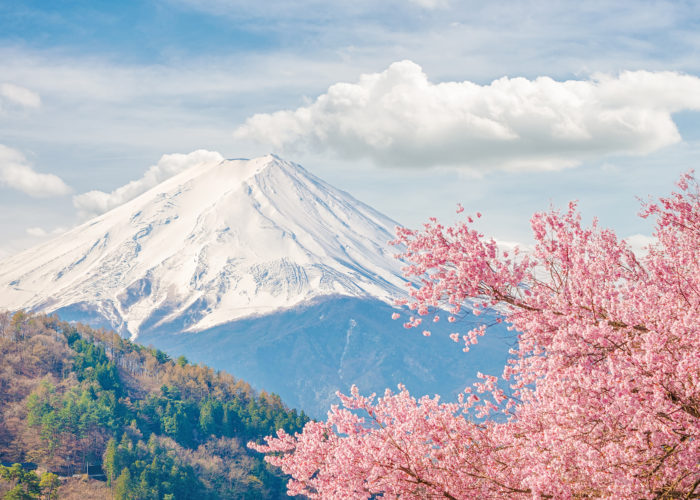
(109, 461)
(49, 485)
(123, 486)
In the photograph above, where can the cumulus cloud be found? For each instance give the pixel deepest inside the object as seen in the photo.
(17, 173)
(40, 232)
(37, 232)
(94, 203)
(18, 96)
(640, 243)
(398, 117)
(430, 4)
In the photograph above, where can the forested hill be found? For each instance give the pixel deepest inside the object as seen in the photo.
(76, 400)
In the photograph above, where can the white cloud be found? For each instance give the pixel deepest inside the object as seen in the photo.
(19, 96)
(36, 231)
(40, 232)
(94, 203)
(17, 173)
(430, 4)
(398, 117)
(639, 243)
(510, 246)
(306, 12)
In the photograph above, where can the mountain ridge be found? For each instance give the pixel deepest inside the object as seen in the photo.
(236, 238)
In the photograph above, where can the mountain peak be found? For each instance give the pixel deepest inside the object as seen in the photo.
(214, 243)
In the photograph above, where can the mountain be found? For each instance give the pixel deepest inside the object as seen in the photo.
(213, 244)
(253, 266)
(75, 401)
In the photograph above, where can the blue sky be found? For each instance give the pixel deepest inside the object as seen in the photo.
(410, 105)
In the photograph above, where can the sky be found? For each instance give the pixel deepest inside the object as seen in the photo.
(412, 106)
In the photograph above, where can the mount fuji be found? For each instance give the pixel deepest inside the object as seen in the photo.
(253, 266)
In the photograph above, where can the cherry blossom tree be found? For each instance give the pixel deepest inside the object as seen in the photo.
(601, 396)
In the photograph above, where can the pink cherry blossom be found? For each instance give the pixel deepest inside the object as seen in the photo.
(601, 396)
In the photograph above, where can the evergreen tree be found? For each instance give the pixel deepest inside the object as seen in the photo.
(123, 486)
(109, 461)
(49, 485)
(27, 483)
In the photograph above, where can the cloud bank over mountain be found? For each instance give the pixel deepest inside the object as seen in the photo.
(398, 117)
(95, 202)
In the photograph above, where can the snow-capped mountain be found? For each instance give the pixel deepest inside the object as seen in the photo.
(211, 245)
(256, 267)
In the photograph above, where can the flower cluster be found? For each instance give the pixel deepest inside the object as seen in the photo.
(604, 396)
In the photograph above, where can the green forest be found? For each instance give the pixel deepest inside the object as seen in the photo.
(87, 414)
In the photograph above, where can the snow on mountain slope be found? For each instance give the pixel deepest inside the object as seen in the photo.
(212, 244)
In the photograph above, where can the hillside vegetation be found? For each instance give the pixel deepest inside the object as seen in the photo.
(75, 400)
